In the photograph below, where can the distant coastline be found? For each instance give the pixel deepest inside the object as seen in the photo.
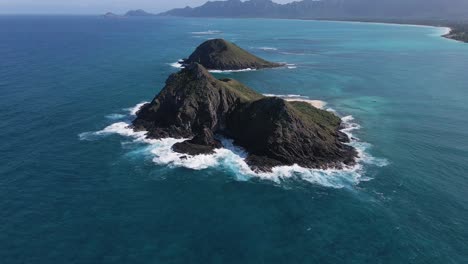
(454, 31)
(446, 34)
(437, 13)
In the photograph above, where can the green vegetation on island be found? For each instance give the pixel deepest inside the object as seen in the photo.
(219, 54)
(197, 106)
(458, 32)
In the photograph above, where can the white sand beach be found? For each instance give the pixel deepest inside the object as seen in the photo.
(315, 103)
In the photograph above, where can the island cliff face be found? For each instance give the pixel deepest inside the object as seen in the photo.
(219, 54)
(196, 105)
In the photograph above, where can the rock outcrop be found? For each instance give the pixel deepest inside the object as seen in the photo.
(219, 54)
(196, 105)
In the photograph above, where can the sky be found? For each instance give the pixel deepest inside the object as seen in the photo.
(94, 6)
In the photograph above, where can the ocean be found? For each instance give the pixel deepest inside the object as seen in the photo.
(78, 186)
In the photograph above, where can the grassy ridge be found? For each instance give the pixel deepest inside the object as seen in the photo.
(313, 115)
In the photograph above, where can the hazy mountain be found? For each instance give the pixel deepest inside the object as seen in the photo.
(408, 9)
(138, 12)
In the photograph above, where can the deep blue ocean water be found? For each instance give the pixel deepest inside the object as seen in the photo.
(70, 192)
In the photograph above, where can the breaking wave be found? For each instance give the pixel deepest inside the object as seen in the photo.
(231, 158)
(133, 110)
(178, 64)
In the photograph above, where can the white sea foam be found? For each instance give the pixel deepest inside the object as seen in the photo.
(115, 116)
(133, 110)
(446, 30)
(230, 71)
(267, 48)
(208, 32)
(231, 158)
(442, 31)
(178, 64)
(350, 125)
(294, 53)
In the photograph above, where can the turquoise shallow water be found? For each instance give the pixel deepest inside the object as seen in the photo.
(69, 197)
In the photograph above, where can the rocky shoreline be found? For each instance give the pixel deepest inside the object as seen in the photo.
(275, 132)
(219, 54)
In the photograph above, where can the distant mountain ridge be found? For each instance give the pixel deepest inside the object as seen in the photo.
(329, 9)
(449, 13)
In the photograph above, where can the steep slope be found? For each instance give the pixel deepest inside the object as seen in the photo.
(195, 105)
(277, 132)
(192, 101)
(219, 54)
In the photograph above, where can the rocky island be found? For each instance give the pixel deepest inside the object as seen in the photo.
(197, 106)
(219, 54)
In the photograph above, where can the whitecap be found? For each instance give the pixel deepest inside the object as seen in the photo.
(291, 66)
(208, 32)
(115, 116)
(267, 48)
(294, 53)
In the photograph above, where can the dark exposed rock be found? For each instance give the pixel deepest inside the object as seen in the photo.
(276, 131)
(204, 142)
(195, 105)
(219, 54)
(191, 101)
